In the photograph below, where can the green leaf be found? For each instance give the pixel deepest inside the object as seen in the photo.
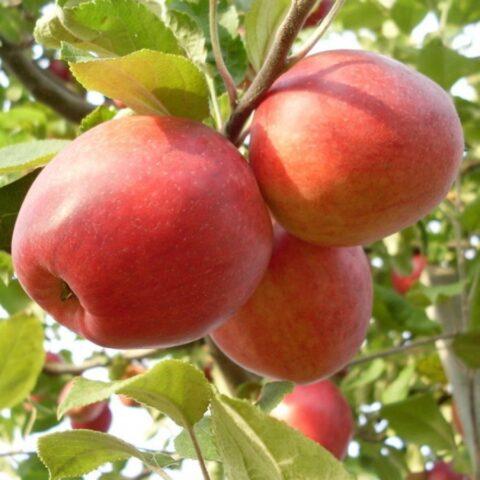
(394, 312)
(99, 115)
(149, 82)
(6, 268)
(204, 433)
(22, 156)
(399, 388)
(467, 346)
(261, 24)
(174, 387)
(11, 198)
(470, 217)
(21, 357)
(445, 65)
(13, 25)
(272, 394)
(256, 446)
(408, 13)
(189, 35)
(74, 453)
(13, 298)
(361, 376)
(108, 27)
(418, 420)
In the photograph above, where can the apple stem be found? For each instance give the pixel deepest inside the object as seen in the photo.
(272, 68)
(66, 292)
(217, 53)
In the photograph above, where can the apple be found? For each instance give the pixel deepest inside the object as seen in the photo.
(350, 146)
(444, 471)
(320, 412)
(319, 13)
(403, 283)
(60, 69)
(100, 424)
(308, 316)
(85, 414)
(132, 370)
(143, 232)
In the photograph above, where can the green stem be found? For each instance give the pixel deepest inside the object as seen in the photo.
(198, 451)
(217, 53)
(401, 349)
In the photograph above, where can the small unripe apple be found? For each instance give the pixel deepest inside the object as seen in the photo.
(143, 232)
(307, 318)
(60, 69)
(444, 471)
(403, 283)
(131, 371)
(101, 423)
(320, 412)
(85, 414)
(319, 13)
(350, 146)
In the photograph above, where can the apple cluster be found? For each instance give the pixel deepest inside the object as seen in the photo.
(154, 231)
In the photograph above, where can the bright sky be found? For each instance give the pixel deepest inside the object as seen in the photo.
(134, 424)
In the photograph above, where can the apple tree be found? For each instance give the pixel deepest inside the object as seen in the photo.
(254, 223)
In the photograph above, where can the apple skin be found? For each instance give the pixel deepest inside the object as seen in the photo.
(155, 223)
(60, 69)
(101, 423)
(444, 471)
(308, 316)
(319, 13)
(320, 412)
(403, 283)
(84, 414)
(350, 146)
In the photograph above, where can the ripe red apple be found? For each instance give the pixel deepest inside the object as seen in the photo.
(320, 412)
(144, 231)
(60, 69)
(444, 471)
(350, 146)
(308, 316)
(319, 13)
(403, 283)
(132, 370)
(100, 424)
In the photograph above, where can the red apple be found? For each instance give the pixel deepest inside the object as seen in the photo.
(87, 413)
(307, 318)
(444, 471)
(319, 13)
(119, 104)
(143, 232)
(60, 69)
(403, 283)
(100, 424)
(350, 146)
(320, 412)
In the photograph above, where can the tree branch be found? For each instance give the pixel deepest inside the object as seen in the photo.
(217, 53)
(401, 349)
(103, 361)
(273, 67)
(42, 85)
